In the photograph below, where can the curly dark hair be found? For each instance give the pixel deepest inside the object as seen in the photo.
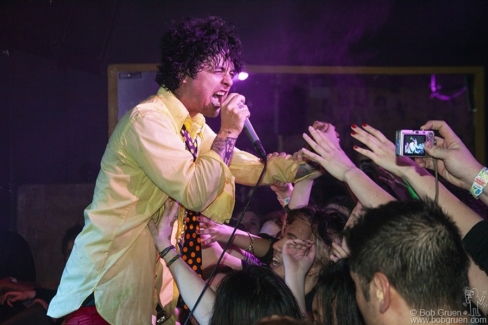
(192, 42)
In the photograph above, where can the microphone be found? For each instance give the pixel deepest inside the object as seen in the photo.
(253, 137)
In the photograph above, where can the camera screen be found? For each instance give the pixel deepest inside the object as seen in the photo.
(414, 145)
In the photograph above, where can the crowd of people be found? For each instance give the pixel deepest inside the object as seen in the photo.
(159, 244)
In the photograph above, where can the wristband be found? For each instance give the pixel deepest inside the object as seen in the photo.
(171, 261)
(479, 183)
(165, 251)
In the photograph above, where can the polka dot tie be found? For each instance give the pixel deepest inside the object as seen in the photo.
(191, 248)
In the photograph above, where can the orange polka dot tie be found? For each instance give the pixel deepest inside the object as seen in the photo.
(192, 252)
(191, 248)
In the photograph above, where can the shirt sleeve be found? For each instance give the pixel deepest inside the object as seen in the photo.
(246, 169)
(476, 244)
(154, 143)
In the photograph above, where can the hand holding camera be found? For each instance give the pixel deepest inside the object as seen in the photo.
(412, 143)
(456, 164)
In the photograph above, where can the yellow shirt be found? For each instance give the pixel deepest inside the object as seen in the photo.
(146, 162)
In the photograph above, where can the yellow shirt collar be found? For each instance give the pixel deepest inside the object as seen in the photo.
(180, 113)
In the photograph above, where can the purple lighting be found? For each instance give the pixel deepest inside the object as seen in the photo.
(242, 75)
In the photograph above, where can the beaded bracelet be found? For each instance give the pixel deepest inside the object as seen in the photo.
(480, 182)
(171, 261)
(165, 251)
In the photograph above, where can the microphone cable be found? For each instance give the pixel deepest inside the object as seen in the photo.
(231, 239)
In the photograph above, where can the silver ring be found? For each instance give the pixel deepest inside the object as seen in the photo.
(241, 105)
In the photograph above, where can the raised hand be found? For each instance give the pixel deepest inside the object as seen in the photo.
(339, 251)
(328, 153)
(455, 162)
(233, 113)
(298, 256)
(161, 232)
(380, 149)
(216, 232)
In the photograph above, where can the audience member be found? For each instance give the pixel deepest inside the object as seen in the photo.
(16, 259)
(243, 297)
(35, 297)
(273, 223)
(17, 270)
(344, 204)
(407, 257)
(334, 302)
(471, 225)
(251, 221)
(282, 320)
(382, 152)
(320, 226)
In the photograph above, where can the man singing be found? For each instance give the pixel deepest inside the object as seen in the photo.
(163, 149)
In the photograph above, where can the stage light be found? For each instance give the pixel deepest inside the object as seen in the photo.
(242, 75)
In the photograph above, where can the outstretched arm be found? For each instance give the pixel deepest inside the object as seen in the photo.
(298, 256)
(221, 233)
(189, 283)
(382, 152)
(332, 158)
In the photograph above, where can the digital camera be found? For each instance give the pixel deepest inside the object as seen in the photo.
(410, 143)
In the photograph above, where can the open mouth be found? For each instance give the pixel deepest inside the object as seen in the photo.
(275, 262)
(218, 98)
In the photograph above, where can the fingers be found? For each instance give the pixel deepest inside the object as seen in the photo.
(371, 137)
(441, 126)
(444, 130)
(152, 227)
(207, 241)
(319, 144)
(233, 114)
(206, 231)
(170, 208)
(322, 138)
(281, 187)
(205, 222)
(295, 246)
(278, 154)
(339, 251)
(278, 183)
(311, 155)
(321, 126)
(376, 133)
(236, 102)
(9, 298)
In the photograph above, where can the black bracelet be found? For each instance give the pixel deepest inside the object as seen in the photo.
(165, 251)
(171, 261)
